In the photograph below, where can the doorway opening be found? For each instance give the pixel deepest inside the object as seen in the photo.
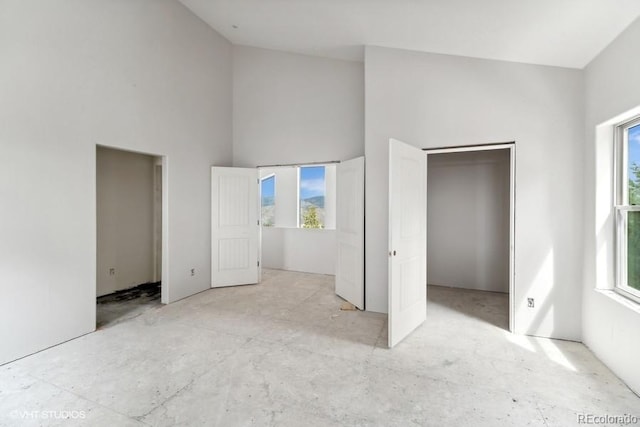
(470, 231)
(309, 218)
(298, 217)
(129, 219)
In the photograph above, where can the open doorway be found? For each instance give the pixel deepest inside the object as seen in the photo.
(298, 217)
(129, 216)
(301, 228)
(470, 226)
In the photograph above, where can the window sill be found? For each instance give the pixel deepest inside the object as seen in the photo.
(620, 299)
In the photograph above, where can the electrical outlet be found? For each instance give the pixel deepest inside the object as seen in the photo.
(193, 271)
(112, 272)
(530, 302)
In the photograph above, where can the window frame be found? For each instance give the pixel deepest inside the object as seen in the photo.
(622, 208)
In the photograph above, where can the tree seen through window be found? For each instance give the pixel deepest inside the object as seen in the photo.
(312, 196)
(633, 228)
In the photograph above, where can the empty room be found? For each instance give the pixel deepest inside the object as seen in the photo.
(319, 213)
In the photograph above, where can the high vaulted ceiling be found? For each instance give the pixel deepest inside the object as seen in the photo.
(566, 33)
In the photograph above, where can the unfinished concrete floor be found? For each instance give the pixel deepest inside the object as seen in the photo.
(282, 353)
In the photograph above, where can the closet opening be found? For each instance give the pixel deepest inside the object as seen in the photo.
(470, 231)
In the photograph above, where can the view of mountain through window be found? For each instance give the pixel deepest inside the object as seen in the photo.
(268, 193)
(312, 195)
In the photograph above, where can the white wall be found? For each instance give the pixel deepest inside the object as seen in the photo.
(610, 324)
(468, 220)
(143, 75)
(431, 100)
(290, 108)
(299, 249)
(125, 223)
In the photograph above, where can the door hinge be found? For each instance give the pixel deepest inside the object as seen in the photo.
(258, 263)
(258, 222)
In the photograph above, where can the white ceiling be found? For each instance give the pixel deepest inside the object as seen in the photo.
(567, 33)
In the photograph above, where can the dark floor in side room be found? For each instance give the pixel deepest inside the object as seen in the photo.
(126, 304)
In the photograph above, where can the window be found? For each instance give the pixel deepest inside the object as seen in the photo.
(299, 196)
(268, 200)
(628, 208)
(312, 189)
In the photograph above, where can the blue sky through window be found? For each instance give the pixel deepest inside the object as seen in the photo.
(311, 182)
(268, 188)
(634, 149)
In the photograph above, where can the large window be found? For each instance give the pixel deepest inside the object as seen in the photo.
(299, 196)
(628, 208)
(312, 196)
(268, 199)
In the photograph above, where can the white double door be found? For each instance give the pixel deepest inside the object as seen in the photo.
(236, 232)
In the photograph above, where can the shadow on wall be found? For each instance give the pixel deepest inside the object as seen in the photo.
(548, 251)
(543, 285)
(540, 320)
(548, 290)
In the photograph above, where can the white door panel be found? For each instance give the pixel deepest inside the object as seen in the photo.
(407, 240)
(350, 231)
(234, 226)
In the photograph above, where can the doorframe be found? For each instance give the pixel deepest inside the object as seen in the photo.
(157, 252)
(163, 161)
(511, 146)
